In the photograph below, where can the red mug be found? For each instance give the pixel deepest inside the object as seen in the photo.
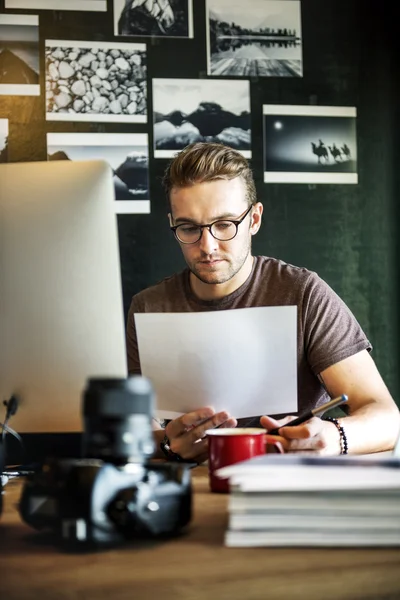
(229, 446)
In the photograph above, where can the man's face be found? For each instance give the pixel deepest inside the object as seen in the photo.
(210, 260)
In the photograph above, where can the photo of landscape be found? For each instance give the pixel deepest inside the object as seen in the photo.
(3, 140)
(156, 18)
(19, 55)
(257, 38)
(310, 144)
(127, 155)
(201, 110)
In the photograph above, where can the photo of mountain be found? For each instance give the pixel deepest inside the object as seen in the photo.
(127, 155)
(256, 38)
(195, 110)
(87, 5)
(156, 18)
(310, 144)
(3, 140)
(19, 55)
(96, 81)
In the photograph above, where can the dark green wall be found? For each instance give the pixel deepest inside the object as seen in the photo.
(344, 232)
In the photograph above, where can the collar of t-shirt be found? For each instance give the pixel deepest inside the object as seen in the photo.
(218, 303)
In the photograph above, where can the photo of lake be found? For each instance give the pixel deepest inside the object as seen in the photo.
(259, 38)
(201, 110)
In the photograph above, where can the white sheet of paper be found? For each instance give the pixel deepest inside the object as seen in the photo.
(243, 361)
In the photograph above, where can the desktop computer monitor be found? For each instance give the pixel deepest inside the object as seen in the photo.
(61, 310)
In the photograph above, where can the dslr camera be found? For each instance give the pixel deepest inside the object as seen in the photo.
(115, 492)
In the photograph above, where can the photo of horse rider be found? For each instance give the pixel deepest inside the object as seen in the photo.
(325, 153)
(310, 144)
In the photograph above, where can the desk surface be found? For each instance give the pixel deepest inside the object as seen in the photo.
(193, 566)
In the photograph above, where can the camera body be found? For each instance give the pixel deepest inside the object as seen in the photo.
(115, 491)
(90, 502)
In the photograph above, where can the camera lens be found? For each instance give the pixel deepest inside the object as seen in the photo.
(117, 417)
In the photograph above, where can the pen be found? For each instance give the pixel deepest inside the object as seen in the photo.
(315, 412)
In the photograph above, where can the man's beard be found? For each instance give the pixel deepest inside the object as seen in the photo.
(229, 269)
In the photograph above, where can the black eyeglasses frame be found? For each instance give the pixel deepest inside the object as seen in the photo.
(208, 226)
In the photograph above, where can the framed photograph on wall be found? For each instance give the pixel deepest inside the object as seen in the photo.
(127, 155)
(310, 144)
(19, 55)
(201, 110)
(156, 18)
(96, 81)
(3, 140)
(256, 38)
(92, 5)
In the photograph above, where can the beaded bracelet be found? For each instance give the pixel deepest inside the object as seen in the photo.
(343, 438)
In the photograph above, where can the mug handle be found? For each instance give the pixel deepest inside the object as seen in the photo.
(270, 440)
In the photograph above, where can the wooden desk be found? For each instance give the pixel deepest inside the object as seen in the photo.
(196, 565)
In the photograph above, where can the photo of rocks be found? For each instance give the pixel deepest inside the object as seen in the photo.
(127, 155)
(194, 110)
(92, 5)
(96, 81)
(310, 144)
(19, 55)
(254, 38)
(156, 18)
(3, 140)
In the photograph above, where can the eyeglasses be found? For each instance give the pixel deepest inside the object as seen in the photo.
(222, 230)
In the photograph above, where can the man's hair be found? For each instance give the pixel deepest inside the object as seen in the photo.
(203, 161)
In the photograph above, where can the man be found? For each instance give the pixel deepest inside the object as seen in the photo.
(214, 213)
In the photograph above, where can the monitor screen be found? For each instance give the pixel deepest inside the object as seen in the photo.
(61, 310)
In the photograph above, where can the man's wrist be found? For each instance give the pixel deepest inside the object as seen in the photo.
(342, 442)
(165, 447)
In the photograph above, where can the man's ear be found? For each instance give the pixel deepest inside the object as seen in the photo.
(170, 220)
(256, 218)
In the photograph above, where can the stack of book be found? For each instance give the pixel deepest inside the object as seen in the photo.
(288, 500)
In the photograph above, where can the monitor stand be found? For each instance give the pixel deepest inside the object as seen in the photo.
(40, 446)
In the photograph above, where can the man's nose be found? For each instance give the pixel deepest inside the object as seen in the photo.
(208, 243)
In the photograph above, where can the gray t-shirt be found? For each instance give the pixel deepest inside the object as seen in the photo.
(327, 331)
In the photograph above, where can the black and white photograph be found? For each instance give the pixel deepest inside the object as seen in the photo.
(201, 110)
(91, 5)
(3, 140)
(256, 38)
(126, 153)
(310, 144)
(156, 18)
(19, 55)
(96, 81)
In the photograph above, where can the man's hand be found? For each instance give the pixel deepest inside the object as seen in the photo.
(314, 436)
(186, 433)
